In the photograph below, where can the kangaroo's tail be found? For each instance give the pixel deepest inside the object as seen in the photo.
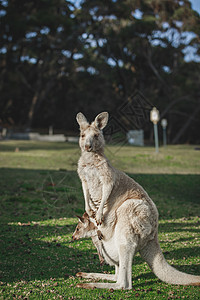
(152, 254)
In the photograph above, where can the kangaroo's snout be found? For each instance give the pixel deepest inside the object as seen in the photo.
(88, 148)
(89, 142)
(73, 237)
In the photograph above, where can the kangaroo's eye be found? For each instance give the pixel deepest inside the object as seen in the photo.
(82, 135)
(96, 136)
(77, 229)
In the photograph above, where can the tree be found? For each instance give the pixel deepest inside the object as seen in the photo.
(143, 41)
(59, 58)
(33, 53)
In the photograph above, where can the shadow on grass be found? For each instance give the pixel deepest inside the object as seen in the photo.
(172, 189)
(25, 255)
(178, 227)
(176, 196)
(182, 253)
(35, 195)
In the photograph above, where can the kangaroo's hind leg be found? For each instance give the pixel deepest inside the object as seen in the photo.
(124, 278)
(126, 253)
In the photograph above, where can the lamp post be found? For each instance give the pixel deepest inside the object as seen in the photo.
(154, 117)
(51, 130)
(164, 126)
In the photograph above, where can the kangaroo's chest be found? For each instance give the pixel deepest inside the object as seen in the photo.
(91, 173)
(92, 177)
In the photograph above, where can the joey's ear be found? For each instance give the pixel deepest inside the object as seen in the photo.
(81, 119)
(81, 219)
(101, 120)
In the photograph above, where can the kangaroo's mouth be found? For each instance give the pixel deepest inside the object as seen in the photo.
(88, 148)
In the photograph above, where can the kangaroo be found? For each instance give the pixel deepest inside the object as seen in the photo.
(114, 250)
(124, 213)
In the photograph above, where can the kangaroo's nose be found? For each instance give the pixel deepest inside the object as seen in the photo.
(88, 148)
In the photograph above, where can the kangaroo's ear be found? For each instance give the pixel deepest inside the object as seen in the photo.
(81, 119)
(101, 120)
(81, 219)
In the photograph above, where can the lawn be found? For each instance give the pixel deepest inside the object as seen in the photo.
(40, 194)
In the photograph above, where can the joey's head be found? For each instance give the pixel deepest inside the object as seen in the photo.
(91, 135)
(85, 228)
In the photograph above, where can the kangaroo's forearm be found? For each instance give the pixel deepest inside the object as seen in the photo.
(106, 191)
(86, 195)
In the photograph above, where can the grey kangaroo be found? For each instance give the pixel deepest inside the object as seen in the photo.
(123, 213)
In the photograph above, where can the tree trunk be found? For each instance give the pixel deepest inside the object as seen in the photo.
(32, 109)
(38, 98)
(187, 124)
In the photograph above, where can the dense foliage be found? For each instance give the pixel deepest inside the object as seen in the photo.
(58, 58)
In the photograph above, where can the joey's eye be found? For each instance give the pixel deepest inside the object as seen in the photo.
(96, 136)
(82, 135)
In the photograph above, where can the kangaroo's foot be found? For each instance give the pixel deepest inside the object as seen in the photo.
(98, 285)
(103, 276)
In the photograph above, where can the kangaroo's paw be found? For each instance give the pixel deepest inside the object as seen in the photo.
(91, 213)
(99, 219)
(100, 235)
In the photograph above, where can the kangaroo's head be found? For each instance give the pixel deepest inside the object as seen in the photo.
(91, 135)
(85, 228)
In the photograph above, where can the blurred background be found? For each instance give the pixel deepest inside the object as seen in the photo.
(60, 57)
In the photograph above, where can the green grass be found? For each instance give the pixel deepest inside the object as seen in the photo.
(40, 194)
